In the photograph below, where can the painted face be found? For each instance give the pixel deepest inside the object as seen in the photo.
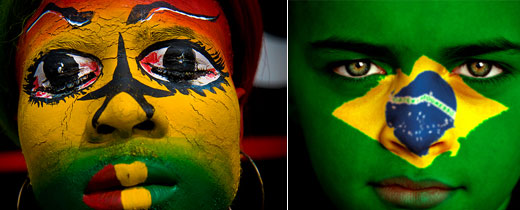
(415, 101)
(129, 105)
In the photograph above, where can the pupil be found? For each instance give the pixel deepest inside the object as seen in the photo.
(358, 68)
(480, 69)
(179, 59)
(60, 69)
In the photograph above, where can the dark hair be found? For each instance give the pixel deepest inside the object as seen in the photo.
(244, 18)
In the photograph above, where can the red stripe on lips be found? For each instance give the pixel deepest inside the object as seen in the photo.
(101, 192)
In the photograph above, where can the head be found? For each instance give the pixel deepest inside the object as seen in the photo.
(416, 101)
(132, 104)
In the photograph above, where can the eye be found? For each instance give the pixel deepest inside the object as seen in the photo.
(358, 69)
(479, 69)
(61, 73)
(179, 62)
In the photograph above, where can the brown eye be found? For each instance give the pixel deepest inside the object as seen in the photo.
(478, 69)
(180, 63)
(61, 73)
(358, 68)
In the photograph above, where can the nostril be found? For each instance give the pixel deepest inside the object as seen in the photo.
(105, 129)
(436, 144)
(146, 125)
(401, 147)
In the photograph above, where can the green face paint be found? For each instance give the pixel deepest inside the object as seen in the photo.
(393, 36)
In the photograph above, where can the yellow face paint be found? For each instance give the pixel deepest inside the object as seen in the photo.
(124, 103)
(367, 113)
(131, 174)
(136, 198)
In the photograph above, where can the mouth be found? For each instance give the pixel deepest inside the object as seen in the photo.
(129, 186)
(404, 192)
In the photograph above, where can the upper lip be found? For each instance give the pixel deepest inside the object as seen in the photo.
(407, 183)
(104, 180)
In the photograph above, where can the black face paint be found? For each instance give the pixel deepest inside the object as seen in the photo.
(59, 74)
(141, 12)
(184, 64)
(122, 81)
(71, 15)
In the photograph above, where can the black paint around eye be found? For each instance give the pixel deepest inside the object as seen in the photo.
(59, 76)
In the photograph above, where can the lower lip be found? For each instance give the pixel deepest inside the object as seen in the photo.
(413, 197)
(113, 199)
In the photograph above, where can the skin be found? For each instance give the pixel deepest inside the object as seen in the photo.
(195, 137)
(483, 169)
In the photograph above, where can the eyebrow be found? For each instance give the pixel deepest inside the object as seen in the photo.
(464, 51)
(69, 14)
(141, 12)
(355, 46)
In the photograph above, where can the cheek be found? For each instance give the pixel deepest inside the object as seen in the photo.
(46, 131)
(211, 124)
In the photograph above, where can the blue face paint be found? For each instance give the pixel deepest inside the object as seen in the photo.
(421, 112)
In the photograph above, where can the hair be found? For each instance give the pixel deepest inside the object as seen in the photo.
(244, 18)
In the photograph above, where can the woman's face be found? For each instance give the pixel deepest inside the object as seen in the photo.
(409, 105)
(129, 104)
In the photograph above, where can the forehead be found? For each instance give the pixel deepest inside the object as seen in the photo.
(408, 24)
(94, 16)
(200, 6)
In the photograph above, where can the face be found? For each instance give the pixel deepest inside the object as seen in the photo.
(129, 105)
(416, 101)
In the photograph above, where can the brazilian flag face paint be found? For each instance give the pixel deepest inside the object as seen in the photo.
(419, 95)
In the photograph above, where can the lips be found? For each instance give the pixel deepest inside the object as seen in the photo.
(128, 186)
(404, 192)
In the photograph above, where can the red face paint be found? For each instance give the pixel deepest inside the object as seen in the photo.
(104, 200)
(104, 179)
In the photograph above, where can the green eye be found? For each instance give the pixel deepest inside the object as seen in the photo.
(479, 69)
(358, 68)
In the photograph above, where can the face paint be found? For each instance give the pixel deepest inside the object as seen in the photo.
(69, 14)
(380, 55)
(134, 108)
(420, 111)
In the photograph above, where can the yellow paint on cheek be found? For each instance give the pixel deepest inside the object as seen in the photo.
(136, 198)
(131, 174)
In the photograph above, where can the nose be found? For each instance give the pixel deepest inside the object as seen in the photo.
(123, 118)
(419, 116)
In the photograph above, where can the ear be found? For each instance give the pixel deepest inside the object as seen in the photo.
(241, 92)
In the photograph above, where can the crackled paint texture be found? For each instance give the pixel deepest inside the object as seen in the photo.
(350, 137)
(111, 110)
